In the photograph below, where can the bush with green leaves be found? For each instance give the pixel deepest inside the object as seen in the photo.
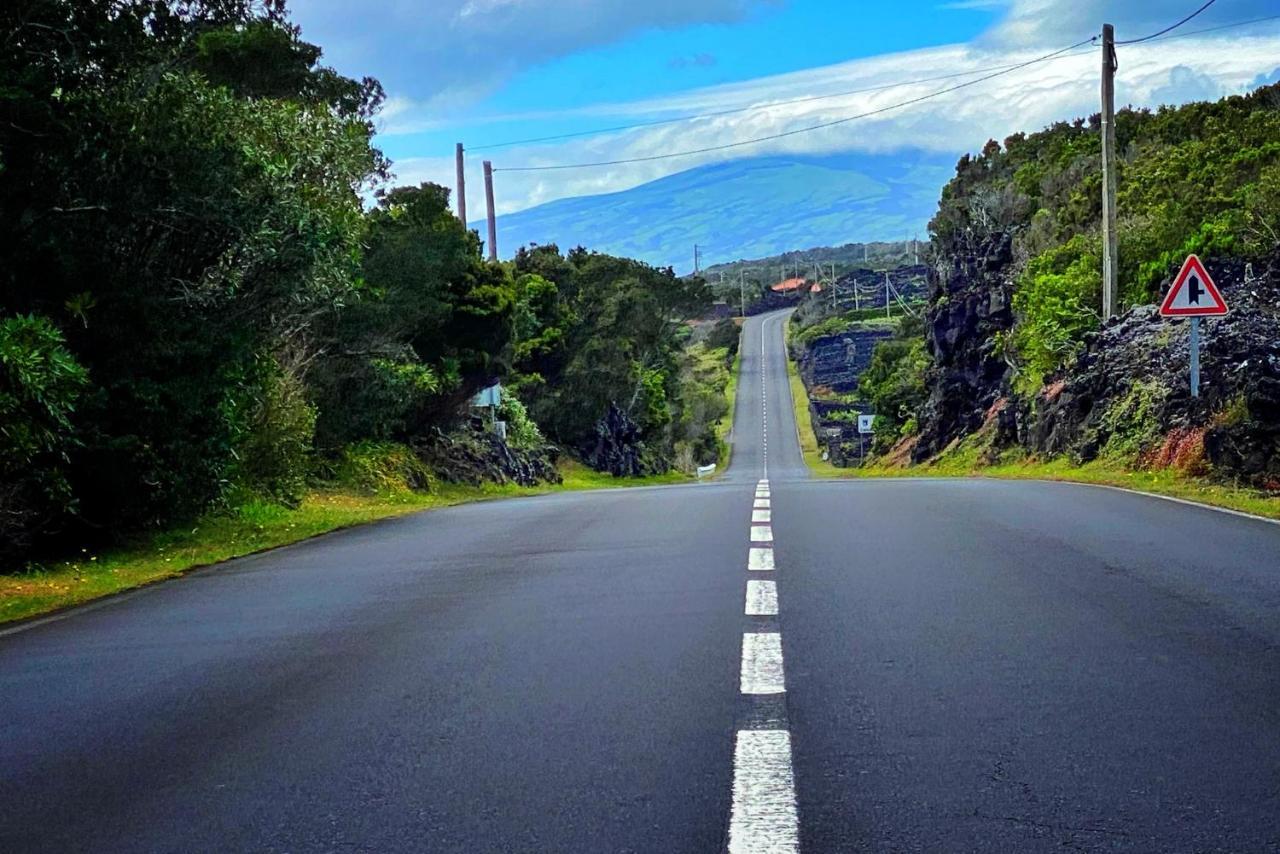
(40, 383)
(1202, 178)
(895, 382)
(1058, 300)
(522, 432)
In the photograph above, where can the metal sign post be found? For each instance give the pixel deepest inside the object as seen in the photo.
(1195, 356)
(1194, 295)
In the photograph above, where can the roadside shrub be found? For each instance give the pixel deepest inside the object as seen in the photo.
(273, 453)
(894, 383)
(725, 334)
(522, 432)
(1131, 426)
(1057, 302)
(40, 382)
(380, 467)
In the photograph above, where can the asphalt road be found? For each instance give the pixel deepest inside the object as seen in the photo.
(969, 666)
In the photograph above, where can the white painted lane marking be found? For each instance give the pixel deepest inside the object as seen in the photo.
(762, 483)
(762, 493)
(763, 818)
(760, 560)
(761, 515)
(762, 599)
(762, 503)
(762, 664)
(761, 534)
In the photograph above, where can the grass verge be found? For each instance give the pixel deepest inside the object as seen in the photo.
(724, 430)
(804, 423)
(251, 528)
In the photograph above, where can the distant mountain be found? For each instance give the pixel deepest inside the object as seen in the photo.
(744, 209)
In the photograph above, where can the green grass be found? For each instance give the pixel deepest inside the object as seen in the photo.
(804, 423)
(250, 528)
(724, 430)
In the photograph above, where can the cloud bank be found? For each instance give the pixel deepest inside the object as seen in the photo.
(1169, 72)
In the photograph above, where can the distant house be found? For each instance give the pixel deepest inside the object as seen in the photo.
(792, 287)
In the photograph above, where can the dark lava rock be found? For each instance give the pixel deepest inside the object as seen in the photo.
(475, 455)
(618, 449)
(836, 361)
(970, 302)
(1239, 404)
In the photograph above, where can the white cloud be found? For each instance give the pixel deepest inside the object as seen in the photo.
(1042, 22)
(422, 49)
(1026, 100)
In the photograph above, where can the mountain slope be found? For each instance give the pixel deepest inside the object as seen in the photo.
(744, 208)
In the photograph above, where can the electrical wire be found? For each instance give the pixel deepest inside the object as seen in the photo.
(743, 109)
(1169, 28)
(1160, 36)
(728, 145)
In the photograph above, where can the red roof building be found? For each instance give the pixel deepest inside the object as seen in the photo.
(796, 285)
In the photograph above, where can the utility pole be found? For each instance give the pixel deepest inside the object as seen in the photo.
(742, 290)
(696, 268)
(1109, 247)
(462, 186)
(886, 294)
(493, 222)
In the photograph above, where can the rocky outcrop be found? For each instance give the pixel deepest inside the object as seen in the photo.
(836, 361)
(1129, 390)
(475, 455)
(617, 447)
(970, 303)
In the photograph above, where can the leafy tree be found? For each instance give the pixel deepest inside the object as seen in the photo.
(613, 329)
(181, 232)
(40, 383)
(433, 326)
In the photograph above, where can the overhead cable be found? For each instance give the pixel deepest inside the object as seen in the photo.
(783, 134)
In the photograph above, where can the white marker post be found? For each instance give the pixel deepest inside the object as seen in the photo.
(1194, 295)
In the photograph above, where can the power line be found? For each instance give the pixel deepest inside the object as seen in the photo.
(783, 134)
(1169, 28)
(744, 109)
(756, 106)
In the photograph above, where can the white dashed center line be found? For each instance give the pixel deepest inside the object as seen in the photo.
(763, 818)
(764, 803)
(762, 664)
(762, 598)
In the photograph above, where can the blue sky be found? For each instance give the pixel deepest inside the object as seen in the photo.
(485, 71)
(761, 39)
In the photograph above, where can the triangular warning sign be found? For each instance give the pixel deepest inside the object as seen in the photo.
(1193, 293)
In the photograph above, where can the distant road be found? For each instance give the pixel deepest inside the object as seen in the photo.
(929, 665)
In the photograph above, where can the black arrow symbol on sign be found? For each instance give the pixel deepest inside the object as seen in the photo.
(1194, 290)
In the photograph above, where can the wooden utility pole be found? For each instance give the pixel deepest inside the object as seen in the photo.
(493, 221)
(1108, 171)
(462, 187)
(742, 291)
(886, 294)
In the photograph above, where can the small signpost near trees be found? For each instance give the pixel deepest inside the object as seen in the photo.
(1194, 295)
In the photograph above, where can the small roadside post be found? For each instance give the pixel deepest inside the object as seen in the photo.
(1194, 295)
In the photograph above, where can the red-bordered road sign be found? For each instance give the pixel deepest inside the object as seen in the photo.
(1193, 293)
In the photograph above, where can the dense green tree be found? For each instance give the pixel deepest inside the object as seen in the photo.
(433, 326)
(615, 326)
(184, 230)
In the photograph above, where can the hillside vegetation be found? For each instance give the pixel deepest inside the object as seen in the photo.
(200, 310)
(1016, 361)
